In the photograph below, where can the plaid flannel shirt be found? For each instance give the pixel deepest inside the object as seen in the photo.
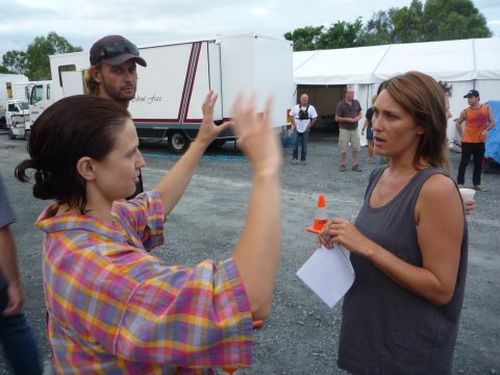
(115, 309)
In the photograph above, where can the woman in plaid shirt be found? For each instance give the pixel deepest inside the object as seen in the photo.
(113, 307)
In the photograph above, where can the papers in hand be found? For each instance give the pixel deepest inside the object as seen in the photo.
(329, 273)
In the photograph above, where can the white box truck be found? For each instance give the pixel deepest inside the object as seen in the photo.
(172, 87)
(6, 92)
(22, 90)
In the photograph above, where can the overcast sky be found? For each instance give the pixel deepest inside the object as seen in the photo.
(145, 22)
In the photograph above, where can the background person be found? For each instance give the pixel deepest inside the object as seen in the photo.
(113, 74)
(112, 306)
(469, 204)
(408, 244)
(478, 120)
(347, 114)
(16, 336)
(303, 117)
(369, 133)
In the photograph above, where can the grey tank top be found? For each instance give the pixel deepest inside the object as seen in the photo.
(387, 329)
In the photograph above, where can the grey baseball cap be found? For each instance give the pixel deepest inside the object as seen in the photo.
(115, 50)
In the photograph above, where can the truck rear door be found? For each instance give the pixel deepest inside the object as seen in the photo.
(72, 83)
(171, 89)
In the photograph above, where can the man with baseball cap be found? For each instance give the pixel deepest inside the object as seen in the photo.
(113, 74)
(478, 120)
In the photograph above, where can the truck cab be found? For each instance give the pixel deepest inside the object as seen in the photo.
(17, 117)
(40, 98)
(18, 108)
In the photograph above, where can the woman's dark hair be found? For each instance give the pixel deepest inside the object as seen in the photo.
(68, 130)
(446, 87)
(422, 97)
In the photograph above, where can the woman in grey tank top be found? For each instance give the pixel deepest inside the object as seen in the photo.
(408, 244)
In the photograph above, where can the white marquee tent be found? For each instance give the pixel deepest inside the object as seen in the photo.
(466, 64)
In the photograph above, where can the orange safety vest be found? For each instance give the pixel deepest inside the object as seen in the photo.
(475, 125)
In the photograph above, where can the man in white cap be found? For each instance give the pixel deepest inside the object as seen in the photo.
(113, 73)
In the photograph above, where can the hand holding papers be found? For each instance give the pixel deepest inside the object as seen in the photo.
(328, 273)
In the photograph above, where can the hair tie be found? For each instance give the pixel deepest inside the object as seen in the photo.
(42, 177)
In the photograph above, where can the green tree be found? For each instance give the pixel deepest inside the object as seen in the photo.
(418, 22)
(453, 19)
(339, 35)
(15, 62)
(342, 35)
(408, 23)
(37, 54)
(34, 62)
(379, 29)
(305, 38)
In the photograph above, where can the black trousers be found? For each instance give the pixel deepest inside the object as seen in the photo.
(476, 150)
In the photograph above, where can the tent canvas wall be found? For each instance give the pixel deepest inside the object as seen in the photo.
(466, 64)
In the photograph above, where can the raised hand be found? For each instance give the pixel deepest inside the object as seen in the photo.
(209, 130)
(255, 136)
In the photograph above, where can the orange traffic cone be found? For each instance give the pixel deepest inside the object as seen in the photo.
(320, 219)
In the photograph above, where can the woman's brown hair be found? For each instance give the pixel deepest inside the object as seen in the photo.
(422, 97)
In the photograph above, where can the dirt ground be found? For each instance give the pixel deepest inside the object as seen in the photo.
(301, 336)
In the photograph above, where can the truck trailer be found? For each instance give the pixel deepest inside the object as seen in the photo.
(171, 89)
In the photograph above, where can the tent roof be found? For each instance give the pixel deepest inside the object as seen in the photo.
(454, 60)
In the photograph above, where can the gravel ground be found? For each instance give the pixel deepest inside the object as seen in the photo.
(301, 335)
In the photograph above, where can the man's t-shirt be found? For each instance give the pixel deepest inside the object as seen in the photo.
(345, 109)
(303, 124)
(476, 123)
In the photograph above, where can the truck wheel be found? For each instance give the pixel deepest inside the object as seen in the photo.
(178, 142)
(27, 135)
(11, 134)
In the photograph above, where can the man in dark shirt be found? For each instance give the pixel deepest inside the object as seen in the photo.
(347, 114)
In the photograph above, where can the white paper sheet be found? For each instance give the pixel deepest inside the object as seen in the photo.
(329, 273)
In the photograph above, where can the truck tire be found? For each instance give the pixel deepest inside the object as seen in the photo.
(178, 142)
(11, 134)
(27, 134)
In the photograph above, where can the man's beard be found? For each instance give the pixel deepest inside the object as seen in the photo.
(118, 95)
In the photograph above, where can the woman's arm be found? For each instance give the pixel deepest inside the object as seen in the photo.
(440, 222)
(174, 183)
(258, 250)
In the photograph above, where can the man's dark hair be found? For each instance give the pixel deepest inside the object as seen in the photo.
(92, 85)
